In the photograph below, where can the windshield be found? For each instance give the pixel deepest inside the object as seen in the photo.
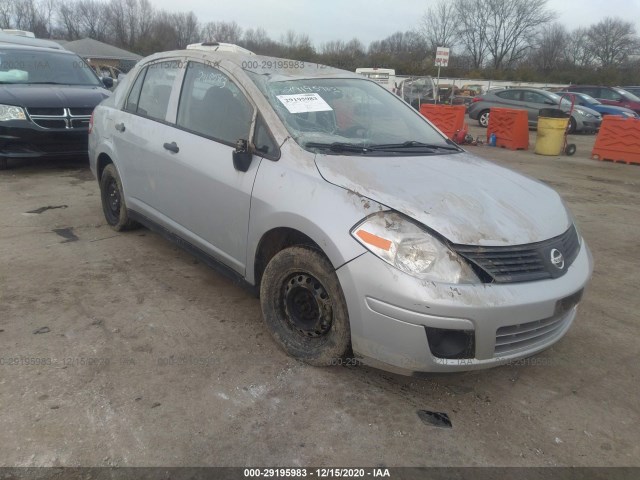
(354, 115)
(627, 95)
(563, 100)
(587, 98)
(39, 67)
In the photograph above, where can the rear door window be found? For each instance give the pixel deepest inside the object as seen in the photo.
(213, 106)
(592, 91)
(534, 97)
(610, 94)
(156, 89)
(509, 95)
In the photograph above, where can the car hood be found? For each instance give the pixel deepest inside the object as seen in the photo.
(52, 96)
(583, 108)
(466, 199)
(612, 109)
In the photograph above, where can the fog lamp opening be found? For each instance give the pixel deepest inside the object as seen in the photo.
(451, 344)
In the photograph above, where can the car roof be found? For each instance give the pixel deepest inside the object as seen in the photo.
(532, 89)
(591, 86)
(14, 46)
(7, 39)
(273, 68)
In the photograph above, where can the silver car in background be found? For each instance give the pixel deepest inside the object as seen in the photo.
(583, 119)
(363, 229)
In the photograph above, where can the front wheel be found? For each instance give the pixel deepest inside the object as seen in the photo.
(3, 164)
(304, 308)
(572, 125)
(483, 118)
(113, 205)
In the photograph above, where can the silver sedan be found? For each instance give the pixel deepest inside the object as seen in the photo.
(361, 227)
(583, 119)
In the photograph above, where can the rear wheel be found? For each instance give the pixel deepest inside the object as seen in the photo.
(304, 308)
(483, 118)
(3, 164)
(113, 204)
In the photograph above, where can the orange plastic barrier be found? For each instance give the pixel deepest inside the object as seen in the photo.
(618, 140)
(448, 118)
(511, 128)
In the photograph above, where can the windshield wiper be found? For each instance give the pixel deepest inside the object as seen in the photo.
(413, 144)
(46, 83)
(338, 147)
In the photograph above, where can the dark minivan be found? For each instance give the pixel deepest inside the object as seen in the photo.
(47, 96)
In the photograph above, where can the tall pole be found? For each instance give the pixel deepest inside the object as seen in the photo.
(437, 92)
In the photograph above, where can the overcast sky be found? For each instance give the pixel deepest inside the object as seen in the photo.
(368, 20)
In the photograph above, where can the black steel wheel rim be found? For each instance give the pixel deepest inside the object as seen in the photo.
(306, 305)
(112, 201)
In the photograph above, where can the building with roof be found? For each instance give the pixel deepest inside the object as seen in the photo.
(100, 54)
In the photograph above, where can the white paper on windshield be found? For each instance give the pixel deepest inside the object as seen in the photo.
(304, 102)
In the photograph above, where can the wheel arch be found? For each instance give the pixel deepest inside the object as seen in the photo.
(274, 241)
(103, 160)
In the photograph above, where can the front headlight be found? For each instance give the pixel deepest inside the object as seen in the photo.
(411, 249)
(583, 112)
(10, 112)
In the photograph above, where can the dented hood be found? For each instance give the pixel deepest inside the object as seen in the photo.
(464, 198)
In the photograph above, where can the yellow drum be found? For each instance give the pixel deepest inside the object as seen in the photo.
(550, 139)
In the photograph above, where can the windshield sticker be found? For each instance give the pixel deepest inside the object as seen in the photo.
(310, 89)
(310, 102)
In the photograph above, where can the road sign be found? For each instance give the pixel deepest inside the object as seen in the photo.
(442, 57)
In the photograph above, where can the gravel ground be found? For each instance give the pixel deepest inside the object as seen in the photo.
(148, 357)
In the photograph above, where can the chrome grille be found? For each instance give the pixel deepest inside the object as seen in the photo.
(81, 111)
(523, 263)
(57, 111)
(60, 118)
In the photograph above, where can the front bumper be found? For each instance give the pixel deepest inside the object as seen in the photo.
(389, 312)
(590, 125)
(24, 139)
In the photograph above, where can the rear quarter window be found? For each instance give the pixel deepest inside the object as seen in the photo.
(131, 105)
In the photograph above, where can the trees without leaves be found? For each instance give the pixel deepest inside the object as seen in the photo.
(497, 38)
(439, 25)
(611, 41)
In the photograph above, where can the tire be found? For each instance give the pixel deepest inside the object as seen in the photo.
(3, 164)
(483, 118)
(304, 308)
(572, 125)
(113, 205)
(570, 149)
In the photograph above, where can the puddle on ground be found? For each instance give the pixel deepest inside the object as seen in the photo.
(435, 419)
(48, 207)
(66, 233)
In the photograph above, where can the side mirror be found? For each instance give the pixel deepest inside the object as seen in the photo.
(242, 155)
(107, 82)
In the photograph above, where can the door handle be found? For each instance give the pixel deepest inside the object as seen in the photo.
(120, 127)
(172, 147)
